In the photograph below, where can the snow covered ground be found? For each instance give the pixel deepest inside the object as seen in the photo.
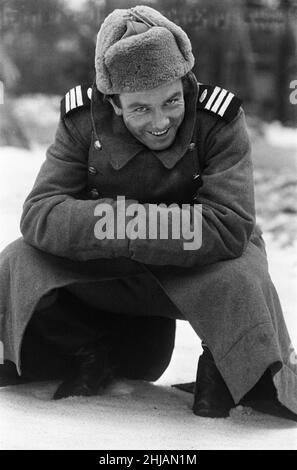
(133, 414)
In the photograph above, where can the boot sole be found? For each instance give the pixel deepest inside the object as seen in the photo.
(210, 413)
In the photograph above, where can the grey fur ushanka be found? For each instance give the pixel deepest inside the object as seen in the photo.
(223, 289)
(134, 56)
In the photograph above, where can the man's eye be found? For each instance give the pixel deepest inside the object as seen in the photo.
(141, 109)
(172, 101)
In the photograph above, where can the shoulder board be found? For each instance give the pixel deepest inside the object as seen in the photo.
(219, 101)
(78, 96)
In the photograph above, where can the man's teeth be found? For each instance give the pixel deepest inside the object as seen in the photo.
(159, 133)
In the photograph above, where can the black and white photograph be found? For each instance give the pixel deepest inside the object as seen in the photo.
(148, 227)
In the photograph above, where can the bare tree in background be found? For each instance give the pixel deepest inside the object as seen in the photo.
(286, 71)
(10, 130)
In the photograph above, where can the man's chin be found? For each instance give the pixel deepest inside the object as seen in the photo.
(160, 148)
(159, 145)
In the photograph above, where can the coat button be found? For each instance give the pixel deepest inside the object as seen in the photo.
(92, 170)
(197, 177)
(192, 146)
(94, 193)
(97, 145)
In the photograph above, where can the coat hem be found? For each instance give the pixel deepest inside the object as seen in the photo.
(263, 353)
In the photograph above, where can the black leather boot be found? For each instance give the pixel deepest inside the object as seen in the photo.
(73, 330)
(92, 374)
(263, 397)
(212, 398)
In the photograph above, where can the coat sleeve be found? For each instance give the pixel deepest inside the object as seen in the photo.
(227, 198)
(56, 218)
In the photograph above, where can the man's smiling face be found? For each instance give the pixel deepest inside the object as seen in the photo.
(153, 116)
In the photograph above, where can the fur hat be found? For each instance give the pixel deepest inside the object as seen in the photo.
(139, 49)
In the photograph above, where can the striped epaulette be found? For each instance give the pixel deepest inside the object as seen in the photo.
(78, 96)
(219, 101)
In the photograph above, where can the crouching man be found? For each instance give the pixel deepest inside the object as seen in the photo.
(93, 288)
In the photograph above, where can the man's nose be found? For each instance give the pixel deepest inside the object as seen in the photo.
(160, 121)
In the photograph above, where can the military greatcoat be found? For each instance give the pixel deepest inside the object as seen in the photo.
(223, 288)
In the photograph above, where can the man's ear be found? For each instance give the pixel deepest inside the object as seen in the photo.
(117, 109)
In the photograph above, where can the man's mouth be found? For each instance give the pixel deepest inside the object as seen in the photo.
(160, 133)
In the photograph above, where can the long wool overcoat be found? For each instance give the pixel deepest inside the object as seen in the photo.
(223, 288)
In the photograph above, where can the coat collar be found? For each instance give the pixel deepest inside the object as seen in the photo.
(121, 146)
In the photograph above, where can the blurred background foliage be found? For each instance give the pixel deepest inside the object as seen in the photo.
(247, 46)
